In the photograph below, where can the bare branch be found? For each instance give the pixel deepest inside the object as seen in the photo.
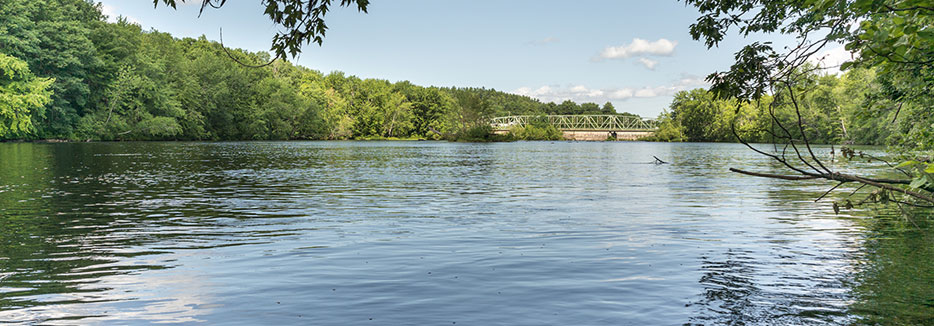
(804, 134)
(774, 176)
(828, 191)
(238, 61)
(857, 189)
(842, 177)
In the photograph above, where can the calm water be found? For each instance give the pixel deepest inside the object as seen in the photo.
(434, 233)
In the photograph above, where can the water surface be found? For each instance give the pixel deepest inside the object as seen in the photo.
(433, 233)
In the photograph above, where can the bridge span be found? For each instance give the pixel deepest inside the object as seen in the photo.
(583, 127)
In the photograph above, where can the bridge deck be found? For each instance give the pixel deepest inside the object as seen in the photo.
(616, 123)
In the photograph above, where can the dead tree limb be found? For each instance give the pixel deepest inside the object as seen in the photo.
(773, 176)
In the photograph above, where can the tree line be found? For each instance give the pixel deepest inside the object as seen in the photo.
(855, 107)
(67, 73)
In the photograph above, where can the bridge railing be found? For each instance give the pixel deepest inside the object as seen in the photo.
(577, 122)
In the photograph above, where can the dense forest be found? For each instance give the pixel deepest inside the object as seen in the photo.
(855, 107)
(67, 73)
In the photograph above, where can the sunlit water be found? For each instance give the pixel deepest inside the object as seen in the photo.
(418, 233)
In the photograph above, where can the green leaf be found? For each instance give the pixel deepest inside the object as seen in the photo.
(906, 164)
(930, 168)
(918, 183)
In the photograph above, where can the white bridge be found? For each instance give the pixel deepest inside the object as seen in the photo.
(583, 127)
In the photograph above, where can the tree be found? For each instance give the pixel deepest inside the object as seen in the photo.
(608, 108)
(53, 38)
(116, 81)
(569, 107)
(21, 96)
(891, 36)
(695, 110)
(398, 116)
(428, 107)
(302, 20)
(589, 108)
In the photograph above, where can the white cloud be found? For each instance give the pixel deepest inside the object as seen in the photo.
(648, 63)
(581, 93)
(621, 93)
(646, 92)
(581, 90)
(595, 93)
(539, 92)
(639, 47)
(830, 60)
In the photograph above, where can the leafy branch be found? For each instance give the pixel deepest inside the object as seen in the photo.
(890, 36)
(302, 21)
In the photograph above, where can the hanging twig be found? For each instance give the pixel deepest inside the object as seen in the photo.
(804, 136)
(828, 191)
(897, 112)
(238, 61)
(857, 189)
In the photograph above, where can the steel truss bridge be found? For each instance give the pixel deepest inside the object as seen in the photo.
(578, 122)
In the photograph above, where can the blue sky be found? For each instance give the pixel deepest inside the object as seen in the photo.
(636, 54)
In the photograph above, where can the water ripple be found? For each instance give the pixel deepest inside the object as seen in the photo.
(415, 233)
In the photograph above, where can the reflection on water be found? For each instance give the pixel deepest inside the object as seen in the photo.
(415, 233)
(896, 280)
(728, 289)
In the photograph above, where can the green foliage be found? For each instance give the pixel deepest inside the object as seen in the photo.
(537, 130)
(54, 38)
(844, 109)
(890, 35)
(698, 116)
(669, 129)
(892, 42)
(925, 174)
(115, 81)
(22, 96)
(479, 133)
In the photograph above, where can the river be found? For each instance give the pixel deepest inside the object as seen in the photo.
(436, 233)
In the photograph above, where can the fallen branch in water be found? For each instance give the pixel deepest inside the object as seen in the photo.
(808, 166)
(773, 176)
(842, 178)
(659, 161)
